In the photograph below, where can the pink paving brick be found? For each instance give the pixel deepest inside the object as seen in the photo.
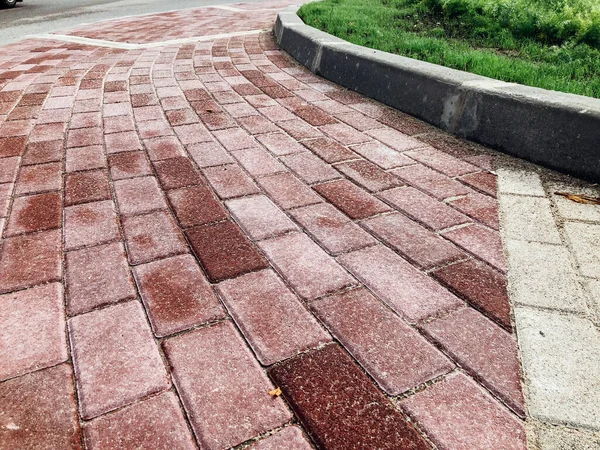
(48, 132)
(394, 139)
(85, 158)
(457, 413)
(290, 438)
(164, 148)
(182, 116)
(368, 175)
(276, 113)
(310, 167)
(176, 173)
(116, 109)
(259, 217)
(8, 169)
(258, 162)
(287, 191)
(280, 144)
(138, 195)
(355, 202)
(43, 152)
(192, 133)
(115, 358)
(125, 141)
(230, 181)
(393, 353)
(118, 124)
(482, 242)
(30, 259)
(207, 154)
(85, 120)
(35, 213)
(329, 150)
(345, 134)
(314, 116)
(176, 295)
(97, 276)
(358, 121)
(196, 206)
(39, 178)
(483, 181)
(484, 350)
(421, 246)
(156, 423)
(299, 129)
(39, 411)
(434, 183)
(84, 137)
(307, 268)
(152, 236)
(409, 292)
(5, 197)
(442, 162)
(235, 139)
(33, 329)
(129, 165)
(479, 206)
(430, 212)
(89, 186)
(224, 390)
(90, 224)
(258, 125)
(332, 229)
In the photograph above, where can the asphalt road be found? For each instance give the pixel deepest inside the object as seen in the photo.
(45, 16)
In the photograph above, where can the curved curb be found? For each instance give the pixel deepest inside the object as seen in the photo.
(557, 130)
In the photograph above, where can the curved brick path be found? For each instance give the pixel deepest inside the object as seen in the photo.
(187, 227)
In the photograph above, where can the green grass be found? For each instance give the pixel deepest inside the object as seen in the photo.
(552, 44)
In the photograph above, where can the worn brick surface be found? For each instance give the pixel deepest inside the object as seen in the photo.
(43, 152)
(310, 168)
(85, 158)
(480, 207)
(368, 175)
(290, 438)
(442, 162)
(258, 162)
(176, 173)
(207, 154)
(352, 200)
(196, 206)
(128, 165)
(288, 191)
(35, 213)
(481, 241)
(259, 217)
(138, 195)
(434, 183)
(8, 169)
(39, 178)
(329, 150)
(230, 181)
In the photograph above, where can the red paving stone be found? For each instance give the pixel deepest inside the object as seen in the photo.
(230, 181)
(35, 213)
(176, 173)
(368, 175)
(259, 217)
(350, 199)
(139, 195)
(39, 178)
(89, 186)
(128, 165)
(290, 438)
(90, 224)
(85, 158)
(196, 206)
(288, 191)
(482, 242)
(310, 168)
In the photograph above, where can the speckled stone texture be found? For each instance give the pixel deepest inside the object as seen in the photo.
(290, 438)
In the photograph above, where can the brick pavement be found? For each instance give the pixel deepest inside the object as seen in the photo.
(187, 227)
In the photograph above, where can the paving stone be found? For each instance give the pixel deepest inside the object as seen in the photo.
(230, 181)
(310, 167)
(196, 206)
(176, 173)
(115, 358)
(207, 154)
(382, 155)
(409, 292)
(352, 200)
(418, 244)
(457, 413)
(8, 169)
(224, 251)
(154, 128)
(83, 137)
(88, 186)
(235, 139)
(259, 217)
(43, 152)
(277, 113)
(314, 116)
(287, 191)
(299, 260)
(585, 239)
(480, 207)
(97, 276)
(138, 195)
(30, 259)
(33, 327)
(152, 236)
(85, 158)
(442, 162)
(329, 150)
(394, 139)
(224, 390)
(5, 197)
(482, 242)
(85, 120)
(192, 133)
(299, 129)
(176, 295)
(484, 350)
(164, 148)
(518, 181)
(280, 144)
(39, 178)
(12, 146)
(258, 125)
(339, 406)
(434, 183)
(560, 438)
(290, 438)
(90, 224)
(359, 121)
(368, 175)
(35, 213)
(39, 411)
(394, 354)
(54, 132)
(128, 165)
(125, 141)
(422, 208)
(258, 162)
(485, 182)
(156, 423)
(528, 219)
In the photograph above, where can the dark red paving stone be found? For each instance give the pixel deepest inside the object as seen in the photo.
(329, 150)
(230, 181)
(152, 236)
(258, 162)
(339, 406)
(458, 413)
(290, 438)
(176, 295)
(481, 286)
(97, 276)
(484, 350)
(192, 133)
(392, 352)
(90, 224)
(12, 146)
(480, 241)
(368, 175)
(223, 388)
(35, 213)
(395, 139)
(443, 162)
(43, 152)
(355, 202)
(125, 141)
(405, 123)
(314, 116)
(39, 178)
(480, 207)
(224, 251)
(115, 358)
(310, 167)
(89, 186)
(9, 168)
(39, 411)
(358, 121)
(176, 173)
(128, 165)
(33, 330)
(434, 183)
(421, 246)
(84, 137)
(196, 206)
(259, 217)
(156, 423)
(258, 125)
(427, 210)
(409, 292)
(288, 191)
(485, 182)
(255, 301)
(208, 154)
(85, 158)
(310, 271)
(164, 148)
(30, 259)
(138, 195)
(331, 229)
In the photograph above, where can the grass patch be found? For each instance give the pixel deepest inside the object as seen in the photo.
(551, 44)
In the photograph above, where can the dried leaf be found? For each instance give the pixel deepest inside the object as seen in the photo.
(210, 110)
(580, 198)
(275, 392)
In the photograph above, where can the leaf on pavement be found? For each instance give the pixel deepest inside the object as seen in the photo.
(275, 392)
(580, 198)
